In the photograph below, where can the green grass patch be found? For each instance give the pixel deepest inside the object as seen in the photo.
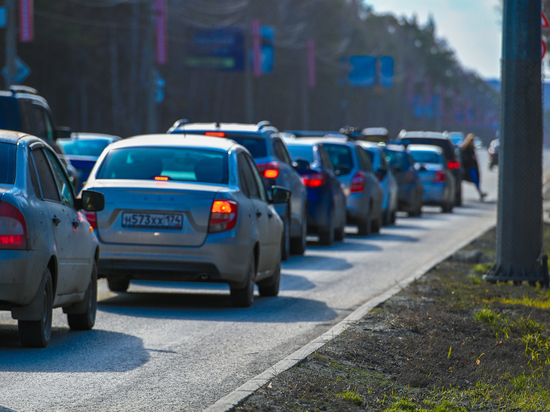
(350, 396)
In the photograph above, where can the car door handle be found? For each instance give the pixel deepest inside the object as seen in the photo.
(76, 223)
(56, 221)
(258, 213)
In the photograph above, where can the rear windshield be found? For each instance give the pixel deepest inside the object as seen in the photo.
(340, 155)
(397, 158)
(159, 163)
(86, 147)
(426, 157)
(256, 146)
(444, 144)
(7, 165)
(303, 152)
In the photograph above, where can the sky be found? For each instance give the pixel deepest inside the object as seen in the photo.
(472, 28)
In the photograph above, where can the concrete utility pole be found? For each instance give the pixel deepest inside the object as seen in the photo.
(11, 43)
(519, 242)
(151, 87)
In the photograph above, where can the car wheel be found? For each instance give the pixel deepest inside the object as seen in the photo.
(364, 227)
(326, 237)
(458, 197)
(447, 207)
(298, 245)
(285, 248)
(117, 285)
(36, 334)
(393, 216)
(270, 286)
(86, 320)
(244, 297)
(340, 233)
(376, 224)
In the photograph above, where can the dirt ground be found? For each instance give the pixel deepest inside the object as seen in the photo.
(448, 342)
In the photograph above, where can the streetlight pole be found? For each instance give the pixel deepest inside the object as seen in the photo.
(519, 230)
(11, 43)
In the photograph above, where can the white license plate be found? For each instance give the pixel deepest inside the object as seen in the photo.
(152, 220)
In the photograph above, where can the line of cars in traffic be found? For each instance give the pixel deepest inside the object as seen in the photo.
(204, 202)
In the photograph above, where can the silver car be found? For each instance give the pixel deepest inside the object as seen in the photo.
(437, 180)
(48, 251)
(187, 209)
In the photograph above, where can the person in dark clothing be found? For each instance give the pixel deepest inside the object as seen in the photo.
(469, 163)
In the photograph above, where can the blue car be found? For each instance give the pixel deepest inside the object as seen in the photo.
(82, 150)
(326, 210)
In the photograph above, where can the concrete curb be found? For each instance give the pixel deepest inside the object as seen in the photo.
(241, 393)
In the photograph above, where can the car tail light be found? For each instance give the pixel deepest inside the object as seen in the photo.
(269, 170)
(91, 217)
(223, 215)
(358, 183)
(215, 134)
(13, 228)
(439, 177)
(453, 164)
(313, 180)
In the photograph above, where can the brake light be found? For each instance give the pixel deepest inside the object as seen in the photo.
(358, 183)
(91, 217)
(269, 170)
(13, 228)
(313, 180)
(223, 215)
(439, 177)
(453, 164)
(161, 178)
(215, 134)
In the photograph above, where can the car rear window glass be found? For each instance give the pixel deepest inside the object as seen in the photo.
(425, 157)
(161, 163)
(257, 146)
(397, 158)
(340, 155)
(446, 145)
(302, 152)
(83, 147)
(7, 165)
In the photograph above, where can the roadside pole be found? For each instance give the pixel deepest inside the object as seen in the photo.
(520, 224)
(11, 43)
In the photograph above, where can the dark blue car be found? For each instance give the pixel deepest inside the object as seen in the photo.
(326, 201)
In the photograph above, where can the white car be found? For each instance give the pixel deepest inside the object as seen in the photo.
(48, 251)
(187, 208)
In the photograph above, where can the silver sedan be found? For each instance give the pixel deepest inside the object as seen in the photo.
(187, 209)
(48, 252)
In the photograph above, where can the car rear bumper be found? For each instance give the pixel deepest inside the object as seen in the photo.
(357, 207)
(219, 260)
(20, 276)
(434, 193)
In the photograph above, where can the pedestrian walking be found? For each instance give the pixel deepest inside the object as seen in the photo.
(470, 165)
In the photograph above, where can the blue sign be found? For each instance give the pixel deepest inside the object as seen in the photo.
(386, 71)
(363, 71)
(22, 71)
(218, 49)
(267, 37)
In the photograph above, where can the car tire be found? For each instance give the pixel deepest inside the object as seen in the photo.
(270, 286)
(285, 247)
(36, 334)
(447, 207)
(458, 197)
(86, 320)
(340, 232)
(298, 244)
(364, 227)
(393, 217)
(118, 285)
(244, 297)
(326, 237)
(376, 224)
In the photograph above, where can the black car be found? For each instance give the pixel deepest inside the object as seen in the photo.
(275, 165)
(326, 211)
(445, 143)
(409, 185)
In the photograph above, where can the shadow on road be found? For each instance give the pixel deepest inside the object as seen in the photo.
(72, 352)
(313, 261)
(216, 307)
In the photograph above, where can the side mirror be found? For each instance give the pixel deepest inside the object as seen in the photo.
(381, 173)
(91, 201)
(279, 195)
(301, 165)
(63, 132)
(342, 170)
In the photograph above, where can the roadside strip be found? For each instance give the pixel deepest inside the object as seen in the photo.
(238, 395)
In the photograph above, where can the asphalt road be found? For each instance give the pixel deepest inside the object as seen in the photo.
(166, 347)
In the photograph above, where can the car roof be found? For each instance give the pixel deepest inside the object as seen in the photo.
(425, 148)
(404, 134)
(9, 136)
(171, 140)
(258, 128)
(396, 147)
(87, 135)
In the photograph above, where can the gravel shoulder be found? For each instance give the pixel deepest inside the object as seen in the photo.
(448, 342)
